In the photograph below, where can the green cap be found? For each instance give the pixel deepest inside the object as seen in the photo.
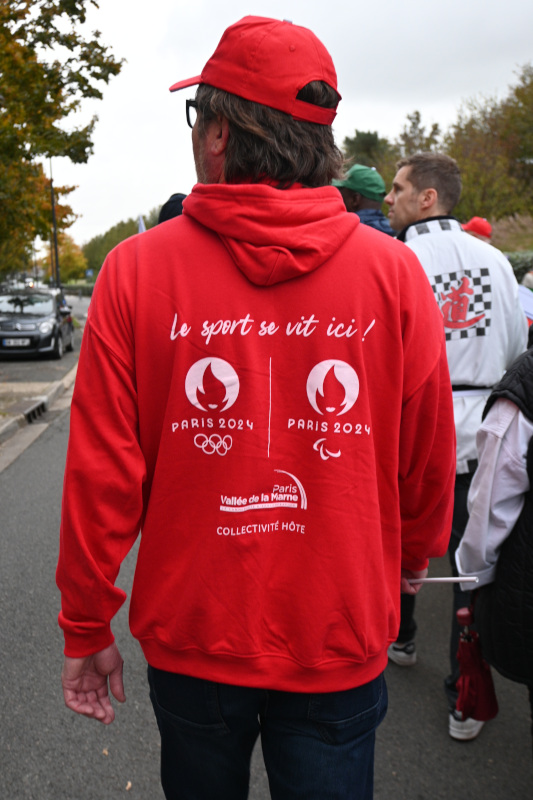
(364, 180)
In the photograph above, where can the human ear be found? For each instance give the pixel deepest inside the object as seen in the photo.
(218, 135)
(355, 202)
(214, 146)
(428, 198)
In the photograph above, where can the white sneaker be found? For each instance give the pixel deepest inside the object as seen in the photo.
(463, 729)
(403, 654)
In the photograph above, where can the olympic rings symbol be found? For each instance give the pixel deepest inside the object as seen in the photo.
(213, 444)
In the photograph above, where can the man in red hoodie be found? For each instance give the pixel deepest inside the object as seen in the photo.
(281, 433)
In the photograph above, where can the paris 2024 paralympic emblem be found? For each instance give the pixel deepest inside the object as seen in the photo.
(332, 390)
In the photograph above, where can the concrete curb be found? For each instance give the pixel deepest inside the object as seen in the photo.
(9, 427)
(14, 422)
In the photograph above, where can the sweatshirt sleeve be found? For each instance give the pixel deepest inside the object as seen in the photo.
(104, 476)
(427, 468)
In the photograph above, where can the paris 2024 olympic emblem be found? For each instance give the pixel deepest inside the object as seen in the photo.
(212, 385)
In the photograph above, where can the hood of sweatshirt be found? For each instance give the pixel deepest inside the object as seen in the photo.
(273, 235)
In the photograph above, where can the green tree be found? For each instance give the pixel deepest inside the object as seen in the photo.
(367, 148)
(98, 247)
(150, 219)
(414, 139)
(517, 129)
(492, 141)
(47, 69)
(371, 150)
(475, 141)
(72, 261)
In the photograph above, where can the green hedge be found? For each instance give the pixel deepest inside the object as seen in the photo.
(521, 263)
(82, 289)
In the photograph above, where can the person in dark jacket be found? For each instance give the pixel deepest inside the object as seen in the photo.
(363, 190)
(497, 545)
(172, 208)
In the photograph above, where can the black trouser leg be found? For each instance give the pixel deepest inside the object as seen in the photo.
(460, 598)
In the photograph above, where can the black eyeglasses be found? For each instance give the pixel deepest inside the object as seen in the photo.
(191, 115)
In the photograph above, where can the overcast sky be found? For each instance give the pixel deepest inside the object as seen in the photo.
(391, 59)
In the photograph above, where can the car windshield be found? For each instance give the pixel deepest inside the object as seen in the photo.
(34, 305)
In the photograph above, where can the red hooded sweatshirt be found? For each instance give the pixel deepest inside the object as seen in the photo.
(263, 393)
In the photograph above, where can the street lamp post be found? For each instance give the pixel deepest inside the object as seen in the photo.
(54, 223)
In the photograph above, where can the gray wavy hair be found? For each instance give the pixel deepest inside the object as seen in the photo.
(266, 143)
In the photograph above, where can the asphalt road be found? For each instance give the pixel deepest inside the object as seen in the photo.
(48, 753)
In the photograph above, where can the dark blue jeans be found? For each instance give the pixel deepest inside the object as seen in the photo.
(315, 746)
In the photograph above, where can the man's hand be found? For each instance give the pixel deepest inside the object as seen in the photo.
(412, 588)
(84, 683)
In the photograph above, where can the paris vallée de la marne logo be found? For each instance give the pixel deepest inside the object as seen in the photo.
(332, 390)
(212, 385)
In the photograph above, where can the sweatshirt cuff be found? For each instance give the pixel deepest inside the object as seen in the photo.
(81, 642)
(413, 565)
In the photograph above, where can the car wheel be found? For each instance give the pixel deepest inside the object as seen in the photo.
(58, 348)
(70, 345)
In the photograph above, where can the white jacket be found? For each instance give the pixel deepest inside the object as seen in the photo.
(496, 495)
(486, 328)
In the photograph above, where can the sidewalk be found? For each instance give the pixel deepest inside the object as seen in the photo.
(22, 403)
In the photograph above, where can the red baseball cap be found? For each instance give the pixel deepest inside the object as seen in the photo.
(268, 62)
(479, 225)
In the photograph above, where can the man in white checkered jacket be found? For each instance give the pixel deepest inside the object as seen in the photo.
(486, 330)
